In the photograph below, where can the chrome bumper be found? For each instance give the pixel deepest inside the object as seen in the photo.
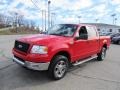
(32, 65)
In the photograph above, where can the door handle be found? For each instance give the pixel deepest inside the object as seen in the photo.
(97, 40)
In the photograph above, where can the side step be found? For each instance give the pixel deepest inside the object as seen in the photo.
(84, 60)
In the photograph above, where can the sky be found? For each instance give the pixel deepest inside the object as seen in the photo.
(65, 11)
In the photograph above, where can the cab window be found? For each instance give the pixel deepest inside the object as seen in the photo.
(91, 31)
(82, 33)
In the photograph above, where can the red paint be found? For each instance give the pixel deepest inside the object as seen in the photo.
(77, 49)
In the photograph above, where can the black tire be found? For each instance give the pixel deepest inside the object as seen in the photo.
(112, 42)
(55, 71)
(102, 54)
(119, 42)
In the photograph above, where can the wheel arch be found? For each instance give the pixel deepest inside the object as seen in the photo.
(105, 45)
(64, 53)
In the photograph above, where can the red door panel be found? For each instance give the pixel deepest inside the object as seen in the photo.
(80, 49)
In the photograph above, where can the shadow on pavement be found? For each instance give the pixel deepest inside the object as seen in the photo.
(19, 77)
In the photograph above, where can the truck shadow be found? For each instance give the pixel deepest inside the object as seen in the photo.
(23, 77)
(33, 75)
(82, 66)
(20, 77)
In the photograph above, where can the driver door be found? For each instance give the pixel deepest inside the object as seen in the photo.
(81, 44)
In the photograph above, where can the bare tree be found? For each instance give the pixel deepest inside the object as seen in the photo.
(32, 24)
(20, 20)
(2, 22)
(16, 20)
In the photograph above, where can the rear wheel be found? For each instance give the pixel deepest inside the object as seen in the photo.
(58, 67)
(102, 54)
(119, 42)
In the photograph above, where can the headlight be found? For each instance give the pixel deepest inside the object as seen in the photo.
(39, 49)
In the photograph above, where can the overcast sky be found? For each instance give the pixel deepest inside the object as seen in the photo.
(66, 11)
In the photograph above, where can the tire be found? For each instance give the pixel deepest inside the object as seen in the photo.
(112, 42)
(119, 42)
(58, 67)
(102, 54)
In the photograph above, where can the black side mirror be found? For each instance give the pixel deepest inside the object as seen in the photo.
(82, 36)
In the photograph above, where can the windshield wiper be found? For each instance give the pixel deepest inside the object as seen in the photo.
(56, 34)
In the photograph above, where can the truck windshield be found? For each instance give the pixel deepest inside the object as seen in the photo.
(62, 30)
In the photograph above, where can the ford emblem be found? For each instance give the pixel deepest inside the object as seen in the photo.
(20, 46)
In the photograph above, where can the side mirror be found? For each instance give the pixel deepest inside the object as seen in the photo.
(82, 36)
(77, 38)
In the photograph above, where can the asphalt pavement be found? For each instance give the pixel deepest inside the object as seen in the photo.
(93, 75)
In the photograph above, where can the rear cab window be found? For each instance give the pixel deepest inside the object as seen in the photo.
(91, 32)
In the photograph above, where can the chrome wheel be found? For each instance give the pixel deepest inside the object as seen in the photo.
(119, 42)
(60, 69)
(103, 54)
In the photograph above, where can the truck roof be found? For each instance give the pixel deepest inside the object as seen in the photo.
(78, 24)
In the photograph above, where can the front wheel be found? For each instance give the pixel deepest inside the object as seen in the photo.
(102, 54)
(58, 67)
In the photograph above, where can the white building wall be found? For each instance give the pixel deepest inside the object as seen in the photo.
(106, 29)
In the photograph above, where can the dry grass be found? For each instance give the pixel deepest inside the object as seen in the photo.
(20, 30)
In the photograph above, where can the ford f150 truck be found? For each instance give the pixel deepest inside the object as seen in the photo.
(62, 46)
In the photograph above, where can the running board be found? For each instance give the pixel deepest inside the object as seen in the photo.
(84, 60)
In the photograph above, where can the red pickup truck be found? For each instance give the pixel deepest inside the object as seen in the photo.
(62, 46)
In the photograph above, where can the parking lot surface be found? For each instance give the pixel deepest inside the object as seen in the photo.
(93, 75)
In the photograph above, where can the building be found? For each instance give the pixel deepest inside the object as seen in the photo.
(106, 29)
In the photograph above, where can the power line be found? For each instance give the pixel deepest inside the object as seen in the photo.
(113, 15)
(49, 2)
(43, 12)
(35, 5)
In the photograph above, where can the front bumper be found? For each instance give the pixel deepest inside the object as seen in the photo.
(32, 65)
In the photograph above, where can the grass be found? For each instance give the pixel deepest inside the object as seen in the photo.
(4, 29)
(19, 31)
(13, 33)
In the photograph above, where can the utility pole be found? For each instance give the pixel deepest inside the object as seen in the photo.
(96, 20)
(45, 20)
(43, 15)
(115, 20)
(113, 15)
(49, 13)
(79, 17)
(42, 20)
(52, 18)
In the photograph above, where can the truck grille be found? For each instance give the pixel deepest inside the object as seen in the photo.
(21, 46)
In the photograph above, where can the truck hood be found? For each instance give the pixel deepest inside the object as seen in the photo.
(43, 39)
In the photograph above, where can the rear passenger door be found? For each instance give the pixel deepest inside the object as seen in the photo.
(93, 39)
